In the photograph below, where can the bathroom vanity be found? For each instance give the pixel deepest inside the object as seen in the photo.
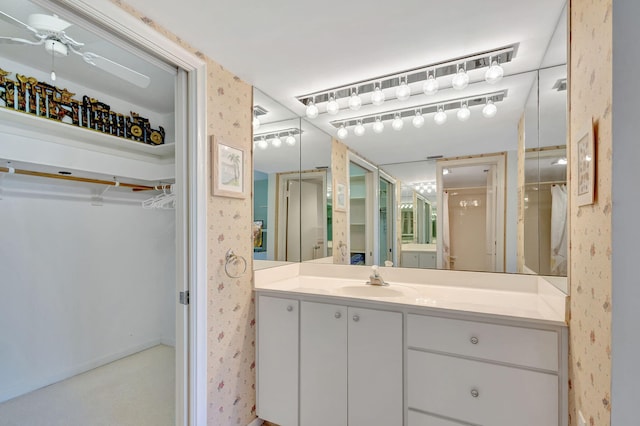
(434, 348)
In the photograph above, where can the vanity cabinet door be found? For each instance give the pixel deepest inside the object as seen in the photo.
(375, 367)
(277, 381)
(323, 364)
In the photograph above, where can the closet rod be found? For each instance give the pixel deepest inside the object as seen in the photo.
(75, 178)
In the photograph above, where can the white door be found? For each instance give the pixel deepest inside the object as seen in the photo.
(311, 229)
(277, 381)
(375, 363)
(323, 364)
(293, 221)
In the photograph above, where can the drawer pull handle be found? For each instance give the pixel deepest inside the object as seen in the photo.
(289, 308)
(474, 340)
(356, 318)
(337, 315)
(475, 393)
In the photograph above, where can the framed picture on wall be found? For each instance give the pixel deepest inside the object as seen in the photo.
(227, 169)
(586, 167)
(340, 203)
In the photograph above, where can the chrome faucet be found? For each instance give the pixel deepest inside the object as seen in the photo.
(375, 278)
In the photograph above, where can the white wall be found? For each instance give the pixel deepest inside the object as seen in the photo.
(81, 285)
(625, 348)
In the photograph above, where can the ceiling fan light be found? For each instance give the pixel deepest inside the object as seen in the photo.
(332, 106)
(460, 80)
(290, 140)
(359, 129)
(430, 86)
(377, 97)
(418, 120)
(312, 110)
(397, 123)
(354, 101)
(494, 73)
(490, 110)
(463, 113)
(378, 126)
(403, 92)
(441, 117)
(342, 133)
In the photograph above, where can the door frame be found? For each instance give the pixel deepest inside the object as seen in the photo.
(191, 168)
(371, 205)
(393, 196)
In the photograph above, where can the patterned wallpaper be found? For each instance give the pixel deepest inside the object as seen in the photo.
(231, 309)
(521, 189)
(340, 174)
(590, 253)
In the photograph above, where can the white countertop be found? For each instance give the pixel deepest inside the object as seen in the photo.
(524, 297)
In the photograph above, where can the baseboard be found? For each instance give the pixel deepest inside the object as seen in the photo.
(168, 342)
(256, 422)
(23, 388)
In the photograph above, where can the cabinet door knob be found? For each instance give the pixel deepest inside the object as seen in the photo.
(337, 315)
(356, 318)
(289, 308)
(474, 340)
(475, 393)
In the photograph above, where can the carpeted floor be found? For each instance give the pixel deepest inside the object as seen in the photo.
(134, 391)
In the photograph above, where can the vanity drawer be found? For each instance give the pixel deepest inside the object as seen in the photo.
(513, 345)
(421, 419)
(481, 393)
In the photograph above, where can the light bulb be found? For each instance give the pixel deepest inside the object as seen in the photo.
(262, 144)
(494, 73)
(417, 187)
(464, 113)
(290, 140)
(53, 76)
(377, 97)
(354, 101)
(255, 123)
(431, 86)
(403, 91)
(359, 129)
(440, 117)
(342, 133)
(460, 80)
(446, 171)
(378, 126)
(276, 142)
(418, 120)
(332, 106)
(397, 123)
(429, 189)
(490, 110)
(312, 110)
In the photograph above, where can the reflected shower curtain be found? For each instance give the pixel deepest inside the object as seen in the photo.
(559, 229)
(446, 250)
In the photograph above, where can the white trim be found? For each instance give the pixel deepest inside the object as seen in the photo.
(194, 189)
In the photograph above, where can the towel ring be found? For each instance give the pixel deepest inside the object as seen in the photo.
(231, 257)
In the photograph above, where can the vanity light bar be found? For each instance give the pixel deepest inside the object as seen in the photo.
(292, 131)
(449, 67)
(449, 104)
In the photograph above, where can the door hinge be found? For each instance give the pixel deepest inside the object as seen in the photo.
(184, 297)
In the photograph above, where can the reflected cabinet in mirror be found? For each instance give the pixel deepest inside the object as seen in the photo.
(466, 172)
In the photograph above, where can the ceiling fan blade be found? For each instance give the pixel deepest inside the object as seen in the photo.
(68, 40)
(127, 74)
(14, 21)
(15, 40)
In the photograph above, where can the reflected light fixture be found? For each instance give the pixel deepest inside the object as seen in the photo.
(494, 73)
(559, 162)
(460, 80)
(430, 86)
(490, 110)
(378, 126)
(418, 120)
(255, 122)
(312, 109)
(397, 123)
(276, 142)
(440, 117)
(359, 129)
(446, 172)
(377, 97)
(290, 140)
(464, 112)
(342, 132)
(403, 92)
(262, 143)
(354, 101)
(332, 106)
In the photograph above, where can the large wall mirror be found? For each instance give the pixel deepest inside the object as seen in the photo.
(483, 192)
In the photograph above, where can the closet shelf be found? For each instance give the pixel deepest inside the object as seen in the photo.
(16, 122)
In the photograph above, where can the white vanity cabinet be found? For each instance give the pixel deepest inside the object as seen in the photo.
(481, 373)
(418, 259)
(277, 367)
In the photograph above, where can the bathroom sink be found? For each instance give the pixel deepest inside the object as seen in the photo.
(369, 291)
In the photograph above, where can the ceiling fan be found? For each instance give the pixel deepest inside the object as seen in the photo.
(49, 31)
